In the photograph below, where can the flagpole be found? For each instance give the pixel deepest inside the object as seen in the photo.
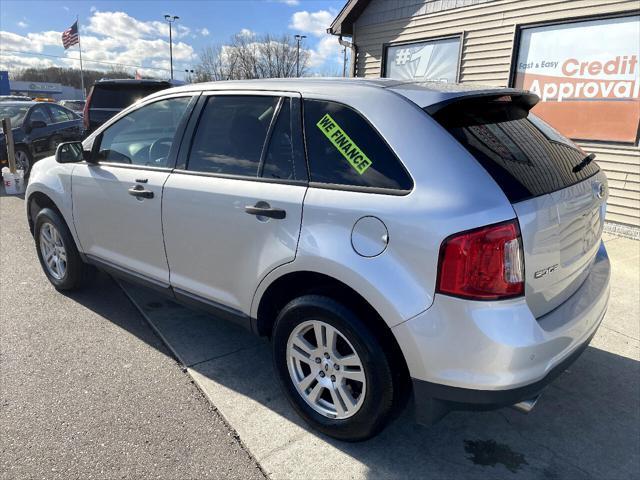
(84, 96)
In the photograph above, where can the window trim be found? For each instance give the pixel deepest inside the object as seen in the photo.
(175, 144)
(267, 138)
(229, 176)
(346, 187)
(515, 50)
(385, 48)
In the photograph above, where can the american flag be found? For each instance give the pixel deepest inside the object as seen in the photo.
(70, 36)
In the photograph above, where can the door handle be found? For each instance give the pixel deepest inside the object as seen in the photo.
(265, 211)
(140, 192)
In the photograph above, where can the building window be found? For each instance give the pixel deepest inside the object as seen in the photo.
(587, 76)
(433, 60)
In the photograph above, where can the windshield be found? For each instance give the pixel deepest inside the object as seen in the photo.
(15, 112)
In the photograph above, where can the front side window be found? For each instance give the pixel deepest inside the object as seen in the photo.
(39, 114)
(231, 135)
(144, 137)
(344, 149)
(431, 60)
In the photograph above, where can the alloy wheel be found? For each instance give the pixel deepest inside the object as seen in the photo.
(22, 160)
(53, 252)
(326, 369)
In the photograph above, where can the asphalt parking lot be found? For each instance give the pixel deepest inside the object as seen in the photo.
(86, 386)
(87, 390)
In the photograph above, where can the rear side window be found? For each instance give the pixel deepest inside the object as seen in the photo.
(231, 134)
(121, 96)
(60, 114)
(344, 149)
(524, 155)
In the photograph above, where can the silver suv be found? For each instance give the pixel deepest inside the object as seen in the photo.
(395, 240)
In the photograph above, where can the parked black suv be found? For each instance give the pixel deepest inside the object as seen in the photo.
(109, 97)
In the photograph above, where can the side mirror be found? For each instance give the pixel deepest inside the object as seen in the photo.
(71, 152)
(35, 124)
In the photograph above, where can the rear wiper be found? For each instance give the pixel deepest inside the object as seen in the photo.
(585, 161)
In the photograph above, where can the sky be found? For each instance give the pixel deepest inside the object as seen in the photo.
(134, 34)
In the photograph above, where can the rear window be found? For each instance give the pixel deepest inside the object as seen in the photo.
(524, 155)
(74, 105)
(121, 96)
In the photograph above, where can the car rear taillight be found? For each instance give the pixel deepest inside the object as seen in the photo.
(85, 111)
(483, 264)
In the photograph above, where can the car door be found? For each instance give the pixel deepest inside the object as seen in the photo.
(117, 200)
(39, 136)
(232, 209)
(66, 126)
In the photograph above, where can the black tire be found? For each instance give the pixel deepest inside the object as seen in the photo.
(29, 159)
(77, 273)
(378, 404)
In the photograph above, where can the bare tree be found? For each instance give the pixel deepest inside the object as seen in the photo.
(214, 65)
(250, 56)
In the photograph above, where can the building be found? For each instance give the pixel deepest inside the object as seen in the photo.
(57, 91)
(580, 56)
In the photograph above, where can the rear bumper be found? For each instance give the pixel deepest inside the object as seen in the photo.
(484, 355)
(432, 400)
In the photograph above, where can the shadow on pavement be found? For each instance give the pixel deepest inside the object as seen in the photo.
(585, 425)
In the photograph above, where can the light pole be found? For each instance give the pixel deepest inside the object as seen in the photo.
(170, 19)
(298, 40)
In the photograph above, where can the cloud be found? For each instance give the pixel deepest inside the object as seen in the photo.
(112, 37)
(22, 24)
(67, 8)
(314, 23)
(8, 62)
(121, 25)
(246, 33)
(327, 50)
(291, 3)
(204, 32)
(32, 42)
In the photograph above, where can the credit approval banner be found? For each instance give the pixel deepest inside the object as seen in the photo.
(587, 75)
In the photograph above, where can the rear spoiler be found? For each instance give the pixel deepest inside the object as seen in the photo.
(517, 98)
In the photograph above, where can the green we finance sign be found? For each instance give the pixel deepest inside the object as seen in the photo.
(349, 150)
